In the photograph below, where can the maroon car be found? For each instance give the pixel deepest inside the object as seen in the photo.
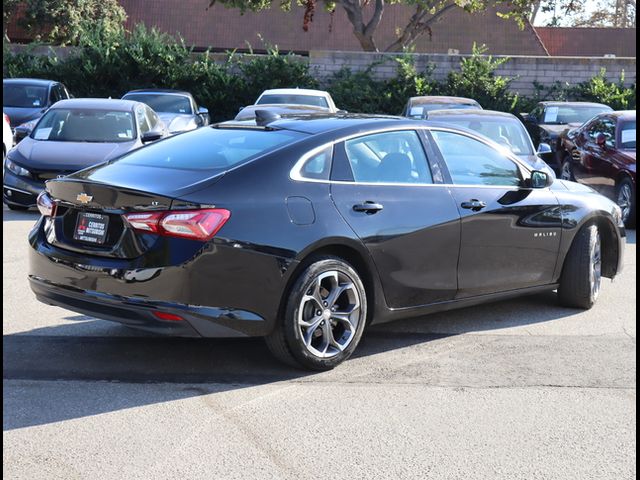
(602, 154)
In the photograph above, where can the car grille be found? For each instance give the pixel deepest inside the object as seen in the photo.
(44, 176)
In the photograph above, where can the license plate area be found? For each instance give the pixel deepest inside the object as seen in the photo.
(91, 228)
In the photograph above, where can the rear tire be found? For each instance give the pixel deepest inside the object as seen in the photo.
(324, 317)
(581, 275)
(626, 200)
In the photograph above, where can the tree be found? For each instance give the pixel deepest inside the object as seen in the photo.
(583, 13)
(65, 21)
(365, 15)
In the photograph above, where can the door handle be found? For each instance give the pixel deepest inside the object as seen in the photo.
(474, 204)
(368, 207)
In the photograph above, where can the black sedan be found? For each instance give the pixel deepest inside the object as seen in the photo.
(549, 120)
(26, 99)
(177, 109)
(306, 230)
(72, 135)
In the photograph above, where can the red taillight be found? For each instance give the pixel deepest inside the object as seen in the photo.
(6, 119)
(46, 205)
(168, 316)
(195, 224)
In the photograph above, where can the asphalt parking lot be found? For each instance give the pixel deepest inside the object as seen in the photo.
(521, 389)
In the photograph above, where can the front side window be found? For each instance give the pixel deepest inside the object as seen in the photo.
(472, 162)
(152, 118)
(143, 121)
(391, 157)
(85, 125)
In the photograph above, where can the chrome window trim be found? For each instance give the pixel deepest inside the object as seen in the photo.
(296, 172)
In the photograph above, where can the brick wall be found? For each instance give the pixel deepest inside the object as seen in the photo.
(526, 69)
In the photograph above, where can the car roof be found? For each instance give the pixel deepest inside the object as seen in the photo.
(98, 103)
(556, 103)
(423, 100)
(159, 90)
(347, 124)
(28, 81)
(470, 113)
(622, 114)
(295, 91)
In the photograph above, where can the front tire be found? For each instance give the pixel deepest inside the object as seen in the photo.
(582, 273)
(626, 200)
(566, 170)
(324, 318)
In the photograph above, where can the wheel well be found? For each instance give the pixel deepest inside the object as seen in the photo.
(610, 252)
(621, 176)
(349, 255)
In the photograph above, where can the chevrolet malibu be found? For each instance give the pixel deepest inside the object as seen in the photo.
(306, 230)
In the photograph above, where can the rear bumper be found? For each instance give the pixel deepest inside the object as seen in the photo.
(134, 312)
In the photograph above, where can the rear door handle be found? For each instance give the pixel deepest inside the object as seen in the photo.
(475, 205)
(368, 207)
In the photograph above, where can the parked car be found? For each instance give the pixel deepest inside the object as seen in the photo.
(7, 136)
(177, 109)
(501, 127)
(602, 154)
(549, 120)
(419, 107)
(72, 135)
(249, 113)
(26, 99)
(306, 230)
(297, 96)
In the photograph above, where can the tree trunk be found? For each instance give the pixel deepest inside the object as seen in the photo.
(363, 31)
(367, 42)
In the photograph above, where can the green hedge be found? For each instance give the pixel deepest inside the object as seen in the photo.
(110, 65)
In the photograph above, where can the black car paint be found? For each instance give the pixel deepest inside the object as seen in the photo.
(235, 284)
(20, 115)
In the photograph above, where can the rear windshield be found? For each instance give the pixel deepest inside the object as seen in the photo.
(85, 125)
(421, 111)
(564, 114)
(210, 149)
(628, 136)
(163, 103)
(23, 96)
(294, 100)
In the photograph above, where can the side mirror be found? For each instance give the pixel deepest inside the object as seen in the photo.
(601, 140)
(540, 179)
(240, 109)
(526, 117)
(204, 114)
(22, 131)
(203, 111)
(544, 148)
(151, 136)
(341, 112)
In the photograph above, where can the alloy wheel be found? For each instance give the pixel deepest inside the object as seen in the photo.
(595, 270)
(329, 314)
(565, 171)
(624, 200)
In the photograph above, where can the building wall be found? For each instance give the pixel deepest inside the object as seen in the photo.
(591, 42)
(527, 69)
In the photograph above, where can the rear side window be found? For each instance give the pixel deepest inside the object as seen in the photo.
(210, 149)
(390, 157)
(318, 166)
(472, 162)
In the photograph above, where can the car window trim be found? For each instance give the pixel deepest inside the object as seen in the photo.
(296, 175)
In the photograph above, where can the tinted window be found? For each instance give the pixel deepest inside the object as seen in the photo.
(168, 103)
(210, 149)
(628, 135)
(472, 162)
(505, 131)
(393, 157)
(293, 99)
(85, 125)
(604, 126)
(563, 114)
(318, 166)
(421, 111)
(24, 96)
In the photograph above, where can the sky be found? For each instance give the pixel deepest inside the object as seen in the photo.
(543, 18)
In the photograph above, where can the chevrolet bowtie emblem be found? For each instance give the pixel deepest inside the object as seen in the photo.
(84, 198)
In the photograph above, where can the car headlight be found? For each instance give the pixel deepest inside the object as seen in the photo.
(15, 168)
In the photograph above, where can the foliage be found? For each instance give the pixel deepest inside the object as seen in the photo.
(66, 22)
(109, 65)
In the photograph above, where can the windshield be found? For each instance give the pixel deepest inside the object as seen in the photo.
(294, 100)
(19, 95)
(505, 131)
(564, 114)
(211, 149)
(628, 135)
(163, 103)
(85, 125)
(420, 111)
